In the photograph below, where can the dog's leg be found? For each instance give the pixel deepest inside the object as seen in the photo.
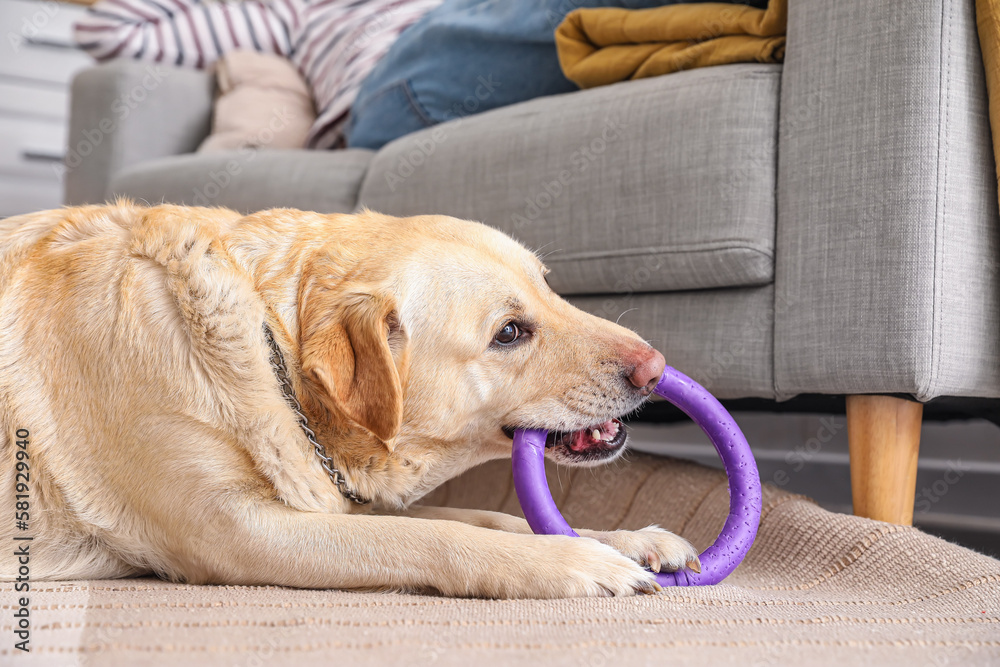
(652, 546)
(480, 518)
(270, 543)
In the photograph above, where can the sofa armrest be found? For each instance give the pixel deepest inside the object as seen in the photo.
(888, 233)
(125, 112)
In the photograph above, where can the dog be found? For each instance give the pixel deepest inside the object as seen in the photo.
(260, 400)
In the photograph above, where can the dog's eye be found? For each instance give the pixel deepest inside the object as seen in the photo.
(508, 334)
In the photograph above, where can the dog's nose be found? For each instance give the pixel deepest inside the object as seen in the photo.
(648, 369)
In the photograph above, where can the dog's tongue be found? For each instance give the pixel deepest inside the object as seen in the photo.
(594, 436)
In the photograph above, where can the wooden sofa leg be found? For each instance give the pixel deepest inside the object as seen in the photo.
(883, 436)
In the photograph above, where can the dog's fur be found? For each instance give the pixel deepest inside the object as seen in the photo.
(132, 348)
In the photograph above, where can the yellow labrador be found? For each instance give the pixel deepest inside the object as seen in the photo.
(154, 364)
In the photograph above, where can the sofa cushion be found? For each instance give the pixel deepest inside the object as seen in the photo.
(250, 180)
(654, 185)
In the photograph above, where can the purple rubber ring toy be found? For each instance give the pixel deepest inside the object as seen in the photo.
(737, 535)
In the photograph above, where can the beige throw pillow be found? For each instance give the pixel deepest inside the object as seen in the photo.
(263, 103)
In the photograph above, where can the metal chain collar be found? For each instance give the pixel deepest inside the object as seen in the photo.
(278, 365)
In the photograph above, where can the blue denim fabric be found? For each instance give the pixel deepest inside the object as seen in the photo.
(465, 57)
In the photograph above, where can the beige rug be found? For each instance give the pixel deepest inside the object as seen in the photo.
(817, 589)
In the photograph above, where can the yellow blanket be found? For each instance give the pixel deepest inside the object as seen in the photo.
(605, 45)
(988, 22)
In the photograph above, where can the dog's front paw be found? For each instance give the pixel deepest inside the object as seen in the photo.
(549, 566)
(575, 567)
(657, 549)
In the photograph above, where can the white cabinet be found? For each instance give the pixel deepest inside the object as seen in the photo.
(37, 63)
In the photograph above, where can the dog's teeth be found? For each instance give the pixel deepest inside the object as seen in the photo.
(596, 434)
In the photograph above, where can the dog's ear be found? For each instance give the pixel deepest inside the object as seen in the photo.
(355, 354)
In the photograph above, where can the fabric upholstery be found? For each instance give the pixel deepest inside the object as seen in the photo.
(249, 180)
(605, 45)
(674, 173)
(888, 229)
(125, 113)
(817, 588)
(722, 338)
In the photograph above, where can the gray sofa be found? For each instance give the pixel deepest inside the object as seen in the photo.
(826, 226)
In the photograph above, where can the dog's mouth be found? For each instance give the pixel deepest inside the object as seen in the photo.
(592, 444)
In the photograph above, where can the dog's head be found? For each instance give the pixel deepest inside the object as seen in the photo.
(434, 338)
